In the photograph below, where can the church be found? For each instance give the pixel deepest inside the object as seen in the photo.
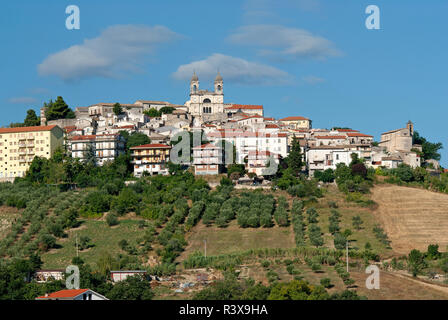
(206, 103)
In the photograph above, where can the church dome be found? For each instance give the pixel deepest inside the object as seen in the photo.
(194, 77)
(218, 77)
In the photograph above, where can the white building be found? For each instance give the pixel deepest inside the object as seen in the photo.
(245, 141)
(204, 102)
(328, 157)
(73, 294)
(207, 159)
(151, 158)
(257, 162)
(106, 147)
(121, 275)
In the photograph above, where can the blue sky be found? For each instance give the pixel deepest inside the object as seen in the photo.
(313, 58)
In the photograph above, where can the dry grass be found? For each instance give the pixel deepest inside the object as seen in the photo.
(233, 239)
(412, 218)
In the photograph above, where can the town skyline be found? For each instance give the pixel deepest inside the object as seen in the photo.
(346, 77)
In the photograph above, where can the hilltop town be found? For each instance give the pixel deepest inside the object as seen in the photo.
(98, 131)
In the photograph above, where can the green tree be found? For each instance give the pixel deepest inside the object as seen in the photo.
(297, 290)
(357, 222)
(118, 109)
(31, 119)
(416, 262)
(153, 112)
(58, 110)
(137, 139)
(166, 110)
(294, 159)
(429, 150)
(133, 288)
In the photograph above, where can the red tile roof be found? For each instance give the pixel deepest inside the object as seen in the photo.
(206, 146)
(92, 136)
(27, 129)
(245, 106)
(346, 130)
(69, 293)
(293, 119)
(357, 134)
(151, 146)
(331, 137)
(271, 126)
(229, 134)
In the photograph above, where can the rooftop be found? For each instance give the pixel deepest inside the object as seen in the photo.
(61, 294)
(27, 129)
(293, 119)
(152, 146)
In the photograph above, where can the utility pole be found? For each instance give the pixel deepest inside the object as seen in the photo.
(346, 249)
(205, 248)
(77, 252)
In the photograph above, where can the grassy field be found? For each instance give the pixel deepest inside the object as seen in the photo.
(413, 218)
(234, 238)
(104, 238)
(348, 210)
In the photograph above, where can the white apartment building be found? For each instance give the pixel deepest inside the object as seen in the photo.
(328, 157)
(207, 159)
(246, 141)
(106, 147)
(151, 158)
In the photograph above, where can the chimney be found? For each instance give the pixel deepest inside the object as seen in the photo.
(46, 294)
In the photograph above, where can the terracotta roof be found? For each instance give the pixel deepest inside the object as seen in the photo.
(92, 136)
(153, 102)
(228, 134)
(207, 146)
(151, 146)
(293, 118)
(109, 104)
(358, 134)
(245, 106)
(271, 126)
(131, 126)
(330, 137)
(27, 129)
(69, 293)
(269, 119)
(346, 130)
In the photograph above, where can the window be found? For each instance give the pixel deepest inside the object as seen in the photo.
(207, 100)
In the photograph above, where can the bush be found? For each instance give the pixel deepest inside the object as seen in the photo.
(326, 283)
(112, 219)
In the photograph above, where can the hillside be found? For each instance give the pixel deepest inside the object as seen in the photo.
(290, 238)
(412, 218)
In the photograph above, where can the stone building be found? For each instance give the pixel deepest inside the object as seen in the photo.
(204, 103)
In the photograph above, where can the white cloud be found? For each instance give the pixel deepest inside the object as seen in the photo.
(118, 49)
(233, 69)
(284, 43)
(22, 100)
(313, 79)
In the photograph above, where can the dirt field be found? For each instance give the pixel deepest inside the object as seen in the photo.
(412, 218)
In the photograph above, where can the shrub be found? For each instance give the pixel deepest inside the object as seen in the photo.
(326, 283)
(111, 219)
